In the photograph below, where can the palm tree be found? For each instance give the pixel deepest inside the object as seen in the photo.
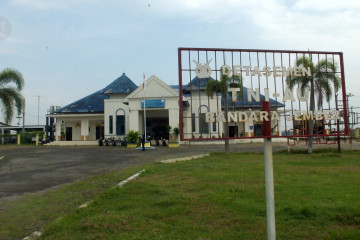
(323, 75)
(10, 96)
(213, 86)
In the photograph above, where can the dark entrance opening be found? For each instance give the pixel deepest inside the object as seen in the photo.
(157, 128)
(233, 131)
(99, 132)
(68, 134)
(258, 130)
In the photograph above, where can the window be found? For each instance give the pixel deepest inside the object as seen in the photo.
(120, 125)
(193, 122)
(203, 125)
(110, 124)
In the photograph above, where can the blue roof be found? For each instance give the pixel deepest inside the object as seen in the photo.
(196, 84)
(122, 84)
(176, 87)
(94, 103)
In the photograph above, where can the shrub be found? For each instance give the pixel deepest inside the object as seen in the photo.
(26, 137)
(133, 136)
(176, 131)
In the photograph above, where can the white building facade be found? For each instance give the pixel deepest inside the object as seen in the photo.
(118, 108)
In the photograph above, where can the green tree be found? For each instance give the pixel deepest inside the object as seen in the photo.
(10, 95)
(323, 77)
(214, 86)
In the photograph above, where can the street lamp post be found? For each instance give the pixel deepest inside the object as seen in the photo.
(350, 113)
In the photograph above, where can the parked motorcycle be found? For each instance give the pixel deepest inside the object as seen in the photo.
(101, 143)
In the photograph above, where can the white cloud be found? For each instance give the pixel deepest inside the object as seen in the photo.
(278, 21)
(16, 54)
(289, 26)
(48, 4)
(325, 5)
(210, 11)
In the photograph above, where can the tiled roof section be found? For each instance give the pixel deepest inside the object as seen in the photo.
(122, 84)
(176, 87)
(94, 103)
(196, 84)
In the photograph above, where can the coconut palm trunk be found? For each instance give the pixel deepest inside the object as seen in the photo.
(311, 122)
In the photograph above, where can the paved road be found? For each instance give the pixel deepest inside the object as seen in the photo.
(32, 169)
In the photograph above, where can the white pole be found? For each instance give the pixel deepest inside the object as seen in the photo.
(269, 182)
(144, 109)
(38, 110)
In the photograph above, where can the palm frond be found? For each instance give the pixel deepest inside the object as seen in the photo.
(9, 75)
(324, 76)
(11, 99)
(304, 61)
(211, 87)
(293, 81)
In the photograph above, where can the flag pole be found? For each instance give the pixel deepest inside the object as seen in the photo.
(144, 107)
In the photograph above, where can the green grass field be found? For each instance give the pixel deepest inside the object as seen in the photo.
(216, 197)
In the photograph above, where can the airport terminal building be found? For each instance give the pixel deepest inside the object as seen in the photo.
(119, 107)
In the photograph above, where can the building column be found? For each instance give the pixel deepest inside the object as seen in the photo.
(2, 134)
(84, 129)
(58, 130)
(174, 118)
(133, 121)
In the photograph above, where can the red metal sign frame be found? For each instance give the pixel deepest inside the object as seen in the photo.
(267, 69)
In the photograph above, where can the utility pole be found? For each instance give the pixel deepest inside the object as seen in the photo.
(23, 128)
(337, 123)
(38, 110)
(349, 113)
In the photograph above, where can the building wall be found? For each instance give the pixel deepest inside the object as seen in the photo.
(114, 107)
(200, 104)
(83, 127)
(136, 113)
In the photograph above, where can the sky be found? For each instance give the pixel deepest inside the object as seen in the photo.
(68, 49)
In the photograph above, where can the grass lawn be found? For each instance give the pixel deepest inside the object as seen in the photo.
(216, 197)
(22, 216)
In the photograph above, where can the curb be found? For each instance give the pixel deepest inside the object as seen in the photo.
(185, 158)
(136, 175)
(32, 236)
